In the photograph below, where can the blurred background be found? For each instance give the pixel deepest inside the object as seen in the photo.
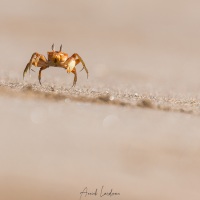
(53, 150)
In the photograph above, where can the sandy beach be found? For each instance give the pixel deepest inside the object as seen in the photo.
(130, 131)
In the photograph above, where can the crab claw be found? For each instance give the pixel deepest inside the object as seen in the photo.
(71, 66)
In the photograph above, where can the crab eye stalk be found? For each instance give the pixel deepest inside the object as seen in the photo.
(60, 47)
(52, 47)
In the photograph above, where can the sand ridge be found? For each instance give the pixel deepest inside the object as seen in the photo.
(102, 96)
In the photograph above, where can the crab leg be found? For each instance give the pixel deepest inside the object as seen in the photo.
(35, 60)
(75, 77)
(40, 73)
(80, 60)
(28, 66)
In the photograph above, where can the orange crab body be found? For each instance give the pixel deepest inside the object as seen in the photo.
(56, 59)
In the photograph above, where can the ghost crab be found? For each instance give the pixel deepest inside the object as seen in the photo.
(55, 59)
